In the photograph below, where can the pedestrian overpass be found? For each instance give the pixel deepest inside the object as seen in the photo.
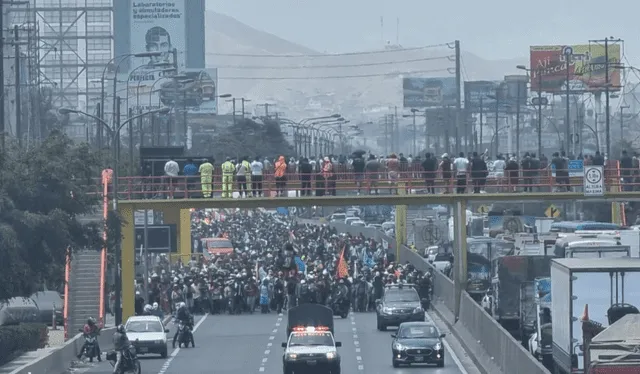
(178, 212)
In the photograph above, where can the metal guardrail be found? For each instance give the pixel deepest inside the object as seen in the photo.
(505, 351)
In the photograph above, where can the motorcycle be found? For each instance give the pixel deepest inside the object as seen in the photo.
(90, 350)
(129, 363)
(185, 336)
(339, 306)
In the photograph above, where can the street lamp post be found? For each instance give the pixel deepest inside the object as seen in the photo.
(114, 132)
(538, 73)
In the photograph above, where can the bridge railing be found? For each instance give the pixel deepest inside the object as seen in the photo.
(140, 187)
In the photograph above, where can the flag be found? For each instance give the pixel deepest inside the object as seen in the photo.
(342, 268)
(302, 267)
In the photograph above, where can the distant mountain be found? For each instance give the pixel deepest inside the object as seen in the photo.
(353, 83)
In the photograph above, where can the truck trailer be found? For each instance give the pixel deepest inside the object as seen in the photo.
(593, 284)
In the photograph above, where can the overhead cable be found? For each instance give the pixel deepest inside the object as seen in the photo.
(293, 67)
(332, 54)
(338, 76)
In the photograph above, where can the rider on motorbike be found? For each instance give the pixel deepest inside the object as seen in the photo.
(183, 315)
(120, 343)
(90, 329)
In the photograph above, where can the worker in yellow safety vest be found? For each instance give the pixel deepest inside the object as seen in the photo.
(228, 168)
(206, 178)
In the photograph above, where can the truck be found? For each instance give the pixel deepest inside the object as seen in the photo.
(581, 284)
(613, 351)
(539, 343)
(503, 300)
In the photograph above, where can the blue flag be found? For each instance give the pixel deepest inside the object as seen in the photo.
(300, 263)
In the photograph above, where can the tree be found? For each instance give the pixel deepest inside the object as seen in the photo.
(42, 191)
(245, 138)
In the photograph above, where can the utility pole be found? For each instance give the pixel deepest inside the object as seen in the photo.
(458, 98)
(386, 135)
(2, 93)
(426, 133)
(396, 133)
(568, 53)
(495, 131)
(622, 108)
(518, 122)
(481, 142)
(266, 108)
(17, 72)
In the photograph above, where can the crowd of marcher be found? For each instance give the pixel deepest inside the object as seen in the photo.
(276, 263)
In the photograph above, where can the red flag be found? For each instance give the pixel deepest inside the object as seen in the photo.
(342, 268)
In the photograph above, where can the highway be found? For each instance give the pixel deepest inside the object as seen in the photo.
(252, 344)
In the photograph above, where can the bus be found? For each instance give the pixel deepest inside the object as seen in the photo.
(573, 226)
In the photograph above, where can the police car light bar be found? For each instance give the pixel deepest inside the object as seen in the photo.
(310, 328)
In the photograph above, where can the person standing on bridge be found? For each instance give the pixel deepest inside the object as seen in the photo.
(228, 168)
(256, 177)
(281, 177)
(206, 178)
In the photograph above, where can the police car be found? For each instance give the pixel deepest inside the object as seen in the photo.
(311, 349)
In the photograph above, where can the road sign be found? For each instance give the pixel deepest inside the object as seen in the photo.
(567, 51)
(537, 101)
(593, 180)
(552, 211)
(138, 217)
(483, 209)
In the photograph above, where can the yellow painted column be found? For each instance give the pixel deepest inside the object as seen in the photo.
(401, 222)
(128, 263)
(182, 219)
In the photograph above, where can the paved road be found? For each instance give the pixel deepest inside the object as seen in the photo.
(251, 344)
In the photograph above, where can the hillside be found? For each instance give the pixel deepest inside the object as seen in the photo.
(350, 83)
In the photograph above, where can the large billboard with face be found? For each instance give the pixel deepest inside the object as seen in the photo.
(158, 26)
(586, 67)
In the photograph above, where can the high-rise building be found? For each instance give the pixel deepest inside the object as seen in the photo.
(75, 40)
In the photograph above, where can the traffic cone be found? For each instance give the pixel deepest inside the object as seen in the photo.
(585, 313)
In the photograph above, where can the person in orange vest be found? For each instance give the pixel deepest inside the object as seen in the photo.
(281, 177)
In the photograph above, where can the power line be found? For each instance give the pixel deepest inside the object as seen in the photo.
(337, 76)
(333, 66)
(333, 54)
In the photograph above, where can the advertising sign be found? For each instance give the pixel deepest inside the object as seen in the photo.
(429, 92)
(196, 91)
(586, 67)
(480, 95)
(516, 90)
(158, 26)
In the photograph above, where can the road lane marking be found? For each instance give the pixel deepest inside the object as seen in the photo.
(175, 352)
(267, 352)
(356, 342)
(452, 354)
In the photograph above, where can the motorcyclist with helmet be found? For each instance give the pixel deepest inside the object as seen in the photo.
(90, 329)
(183, 315)
(120, 343)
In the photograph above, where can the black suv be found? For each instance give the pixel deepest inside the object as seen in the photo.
(400, 303)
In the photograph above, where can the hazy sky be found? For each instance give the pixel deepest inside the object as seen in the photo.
(494, 29)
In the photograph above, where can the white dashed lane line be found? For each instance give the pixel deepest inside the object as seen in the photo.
(356, 342)
(267, 351)
(175, 352)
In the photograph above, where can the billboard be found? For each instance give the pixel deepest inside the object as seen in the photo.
(429, 92)
(477, 95)
(586, 69)
(196, 91)
(516, 90)
(158, 26)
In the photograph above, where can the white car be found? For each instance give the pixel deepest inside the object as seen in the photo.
(358, 223)
(375, 226)
(147, 334)
(348, 220)
(337, 217)
(442, 261)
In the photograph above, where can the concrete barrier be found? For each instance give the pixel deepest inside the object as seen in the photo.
(505, 352)
(58, 360)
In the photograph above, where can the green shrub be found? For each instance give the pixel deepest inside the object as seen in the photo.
(21, 338)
